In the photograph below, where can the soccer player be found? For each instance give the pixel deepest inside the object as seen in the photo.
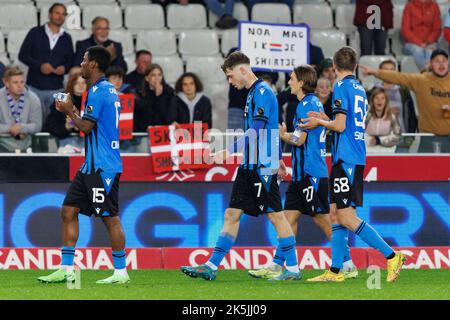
(308, 191)
(95, 189)
(255, 190)
(348, 159)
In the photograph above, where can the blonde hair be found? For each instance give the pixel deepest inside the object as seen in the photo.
(11, 72)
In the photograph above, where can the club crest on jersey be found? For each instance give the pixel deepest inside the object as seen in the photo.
(260, 110)
(337, 103)
(262, 90)
(108, 181)
(261, 207)
(98, 210)
(94, 88)
(89, 108)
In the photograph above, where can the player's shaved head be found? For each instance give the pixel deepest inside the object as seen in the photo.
(345, 59)
(235, 59)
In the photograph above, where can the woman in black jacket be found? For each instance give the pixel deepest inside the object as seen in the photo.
(190, 103)
(154, 101)
(57, 124)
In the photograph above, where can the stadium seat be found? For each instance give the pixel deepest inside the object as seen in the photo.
(409, 65)
(355, 42)
(73, 19)
(329, 40)
(17, 16)
(207, 68)
(158, 42)
(240, 12)
(334, 3)
(90, 2)
(271, 13)
(48, 3)
(396, 43)
(398, 17)
(317, 16)
(308, 1)
(192, 16)
(2, 43)
(344, 18)
(15, 39)
(443, 7)
(126, 3)
(198, 43)
(125, 38)
(229, 40)
(112, 12)
(129, 60)
(218, 94)
(395, 2)
(78, 35)
(172, 67)
(371, 62)
(140, 17)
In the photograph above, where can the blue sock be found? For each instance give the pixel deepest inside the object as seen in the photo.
(119, 259)
(278, 258)
(288, 249)
(373, 239)
(223, 245)
(347, 256)
(67, 255)
(339, 245)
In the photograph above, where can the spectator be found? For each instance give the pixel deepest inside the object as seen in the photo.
(326, 70)
(60, 126)
(143, 61)
(190, 103)
(20, 114)
(115, 75)
(421, 28)
(432, 91)
(48, 52)
(224, 11)
(316, 56)
(373, 36)
(447, 28)
(100, 34)
(400, 100)
(154, 105)
(382, 127)
(251, 3)
(324, 93)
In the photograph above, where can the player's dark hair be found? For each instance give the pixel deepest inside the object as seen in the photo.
(345, 59)
(100, 55)
(234, 59)
(139, 52)
(144, 86)
(115, 71)
(388, 61)
(57, 4)
(308, 75)
(197, 82)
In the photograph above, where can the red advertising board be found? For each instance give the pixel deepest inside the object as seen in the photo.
(378, 168)
(126, 116)
(238, 258)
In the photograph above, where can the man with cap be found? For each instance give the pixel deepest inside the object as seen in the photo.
(432, 89)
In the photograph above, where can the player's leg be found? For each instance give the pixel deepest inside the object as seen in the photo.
(225, 241)
(117, 239)
(287, 243)
(70, 231)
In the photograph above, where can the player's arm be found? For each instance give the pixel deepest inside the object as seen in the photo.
(70, 110)
(338, 124)
(290, 138)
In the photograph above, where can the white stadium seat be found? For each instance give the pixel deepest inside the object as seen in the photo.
(317, 16)
(90, 2)
(78, 35)
(73, 19)
(172, 67)
(192, 16)
(396, 42)
(409, 65)
(308, 1)
(112, 12)
(271, 13)
(371, 62)
(207, 68)
(334, 3)
(125, 38)
(140, 17)
(126, 3)
(398, 17)
(129, 60)
(217, 92)
(15, 39)
(240, 12)
(344, 18)
(47, 3)
(329, 40)
(17, 16)
(229, 40)
(2, 43)
(158, 42)
(198, 43)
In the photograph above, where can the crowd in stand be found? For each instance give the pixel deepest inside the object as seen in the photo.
(27, 105)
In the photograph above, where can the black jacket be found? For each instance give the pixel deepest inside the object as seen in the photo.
(152, 110)
(83, 45)
(35, 51)
(202, 111)
(134, 79)
(55, 123)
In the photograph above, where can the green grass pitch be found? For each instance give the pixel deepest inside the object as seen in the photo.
(230, 284)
